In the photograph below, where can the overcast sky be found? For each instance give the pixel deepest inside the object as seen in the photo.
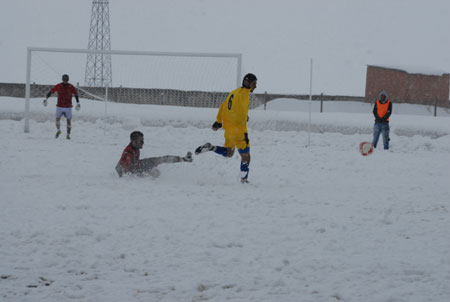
(277, 38)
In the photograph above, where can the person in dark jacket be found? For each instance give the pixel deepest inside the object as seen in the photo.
(382, 112)
(131, 163)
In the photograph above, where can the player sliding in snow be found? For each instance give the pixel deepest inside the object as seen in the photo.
(233, 117)
(130, 163)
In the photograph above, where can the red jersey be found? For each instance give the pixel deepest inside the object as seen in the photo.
(65, 92)
(129, 161)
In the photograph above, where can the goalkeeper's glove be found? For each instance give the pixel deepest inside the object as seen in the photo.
(216, 126)
(78, 107)
(44, 102)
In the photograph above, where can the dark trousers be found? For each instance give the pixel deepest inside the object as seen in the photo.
(146, 164)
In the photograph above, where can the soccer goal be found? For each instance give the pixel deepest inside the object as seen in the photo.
(140, 77)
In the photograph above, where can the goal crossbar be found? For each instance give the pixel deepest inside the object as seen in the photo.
(143, 53)
(30, 50)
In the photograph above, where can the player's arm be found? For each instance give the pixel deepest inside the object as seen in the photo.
(375, 112)
(75, 93)
(48, 95)
(218, 123)
(244, 110)
(124, 164)
(78, 102)
(389, 112)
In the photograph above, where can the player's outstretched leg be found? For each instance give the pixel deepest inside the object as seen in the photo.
(224, 151)
(147, 164)
(204, 148)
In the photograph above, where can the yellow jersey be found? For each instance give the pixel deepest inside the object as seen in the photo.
(233, 112)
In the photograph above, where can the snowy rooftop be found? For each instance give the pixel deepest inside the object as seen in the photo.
(414, 69)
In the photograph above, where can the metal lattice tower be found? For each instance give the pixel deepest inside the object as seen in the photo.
(98, 66)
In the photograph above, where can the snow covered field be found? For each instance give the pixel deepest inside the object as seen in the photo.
(317, 223)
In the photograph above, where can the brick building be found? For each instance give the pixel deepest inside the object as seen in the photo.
(406, 85)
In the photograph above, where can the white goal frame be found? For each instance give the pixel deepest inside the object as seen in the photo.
(30, 51)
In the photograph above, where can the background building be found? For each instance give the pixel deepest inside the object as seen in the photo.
(408, 85)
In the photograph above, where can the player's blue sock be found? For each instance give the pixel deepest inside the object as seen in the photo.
(244, 170)
(221, 150)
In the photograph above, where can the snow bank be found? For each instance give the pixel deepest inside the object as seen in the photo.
(281, 115)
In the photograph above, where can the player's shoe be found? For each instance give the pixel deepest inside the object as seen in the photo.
(244, 180)
(68, 136)
(57, 133)
(188, 157)
(204, 148)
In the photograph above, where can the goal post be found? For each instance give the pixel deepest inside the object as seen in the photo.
(142, 70)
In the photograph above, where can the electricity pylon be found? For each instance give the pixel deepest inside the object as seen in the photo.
(98, 66)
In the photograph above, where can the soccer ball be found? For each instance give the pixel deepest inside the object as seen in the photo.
(365, 148)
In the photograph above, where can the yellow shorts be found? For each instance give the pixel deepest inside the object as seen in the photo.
(236, 141)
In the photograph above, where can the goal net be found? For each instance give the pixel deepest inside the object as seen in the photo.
(163, 78)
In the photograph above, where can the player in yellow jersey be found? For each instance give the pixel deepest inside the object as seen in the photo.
(233, 117)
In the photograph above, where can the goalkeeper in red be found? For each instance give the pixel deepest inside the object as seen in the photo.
(65, 91)
(233, 117)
